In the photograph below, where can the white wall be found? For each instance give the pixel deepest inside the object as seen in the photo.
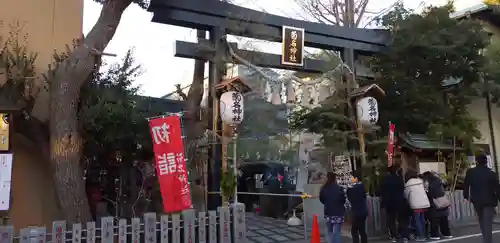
(478, 110)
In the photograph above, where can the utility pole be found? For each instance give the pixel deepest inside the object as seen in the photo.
(350, 78)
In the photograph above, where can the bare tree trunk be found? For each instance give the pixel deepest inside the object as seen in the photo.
(193, 101)
(65, 84)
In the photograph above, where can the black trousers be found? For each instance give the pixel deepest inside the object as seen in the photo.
(358, 230)
(440, 226)
(485, 216)
(402, 219)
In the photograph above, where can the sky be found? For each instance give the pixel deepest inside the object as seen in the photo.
(153, 44)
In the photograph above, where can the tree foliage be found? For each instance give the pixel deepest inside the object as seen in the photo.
(109, 117)
(115, 134)
(430, 74)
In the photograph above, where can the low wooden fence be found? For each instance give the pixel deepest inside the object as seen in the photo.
(226, 225)
(460, 211)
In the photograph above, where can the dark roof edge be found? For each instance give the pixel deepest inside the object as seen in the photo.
(469, 11)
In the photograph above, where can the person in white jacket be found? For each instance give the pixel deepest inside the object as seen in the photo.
(417, 199)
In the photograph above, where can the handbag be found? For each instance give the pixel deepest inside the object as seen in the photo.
(441, 202)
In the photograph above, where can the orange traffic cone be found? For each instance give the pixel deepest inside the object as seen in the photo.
(315, 237)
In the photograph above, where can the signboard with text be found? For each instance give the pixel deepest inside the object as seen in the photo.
(170, 166)
(292, 42)
(4, 132)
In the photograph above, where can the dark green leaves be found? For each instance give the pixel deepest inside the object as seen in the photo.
(110, 120)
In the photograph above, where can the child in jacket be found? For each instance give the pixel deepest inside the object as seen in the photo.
(416, 196)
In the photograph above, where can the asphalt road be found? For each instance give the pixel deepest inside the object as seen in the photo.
(469, 235)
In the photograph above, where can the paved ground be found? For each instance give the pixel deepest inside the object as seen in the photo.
(469, 234)
(268, 230)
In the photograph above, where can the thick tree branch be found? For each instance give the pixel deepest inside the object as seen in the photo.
(360, 10)
(179, 92)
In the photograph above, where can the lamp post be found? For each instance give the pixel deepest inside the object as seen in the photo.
(365, 101)
(231, 112)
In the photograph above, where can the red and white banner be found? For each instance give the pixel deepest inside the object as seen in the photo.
(171, 170)
(390, 144)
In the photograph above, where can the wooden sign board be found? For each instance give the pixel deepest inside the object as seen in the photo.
(292, 42)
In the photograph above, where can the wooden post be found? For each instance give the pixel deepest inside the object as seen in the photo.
(224, 138)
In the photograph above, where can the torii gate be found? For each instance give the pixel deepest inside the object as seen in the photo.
(221, 18)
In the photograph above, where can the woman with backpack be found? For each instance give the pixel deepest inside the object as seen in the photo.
(417, 199)
(438, 212)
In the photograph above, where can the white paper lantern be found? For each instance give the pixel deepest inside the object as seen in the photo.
(367, 110)
(231, 108)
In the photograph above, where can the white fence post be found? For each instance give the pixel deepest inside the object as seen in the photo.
(176, 228)
(212, 227)
(170, 229)
(188, 218)
(239, 226)
(6, 234)
(90, 236)
(122, 231)
(224, 225)
(164, 229)
(106, 230)
(76, 233)
(150, 227)
(136, 230)
(202, 227)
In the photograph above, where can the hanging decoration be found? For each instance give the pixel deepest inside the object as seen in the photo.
(390, 144)
(305, 146)
(367, 111)
(231, 108)
(171, 170)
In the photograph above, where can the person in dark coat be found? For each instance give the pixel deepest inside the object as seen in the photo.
(481, 187)
(356, 194)
(333, 198)
(438, 217)
(393, 201)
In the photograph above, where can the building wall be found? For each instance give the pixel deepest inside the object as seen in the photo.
(47, 26)
(478, 109)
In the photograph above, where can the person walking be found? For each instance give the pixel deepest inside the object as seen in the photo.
(333, 198)
(356, 194)
(482, 189)
(439, 210)
(393, 201)
(417, 199)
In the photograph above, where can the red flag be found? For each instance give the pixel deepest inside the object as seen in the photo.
(280, 179)
(390, 144)
(171, 171)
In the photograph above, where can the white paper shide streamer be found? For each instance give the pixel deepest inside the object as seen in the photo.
(306, 145)
(231, 107)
